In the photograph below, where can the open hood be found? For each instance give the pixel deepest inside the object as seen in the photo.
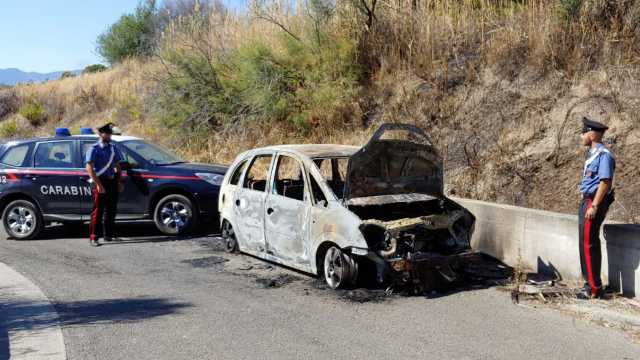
(398, 159)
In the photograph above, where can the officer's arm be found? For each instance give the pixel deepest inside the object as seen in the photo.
(605, 173)
(89, 159)
(603, 189)
(92, 174)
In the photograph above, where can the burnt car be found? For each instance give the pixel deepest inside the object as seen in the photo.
(344, 212)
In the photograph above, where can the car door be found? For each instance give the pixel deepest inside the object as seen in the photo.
(249, 204)
(132, 202)
(54, 176)
(286, 212)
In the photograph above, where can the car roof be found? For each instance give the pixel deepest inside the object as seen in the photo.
(315, 150)
(116, 138)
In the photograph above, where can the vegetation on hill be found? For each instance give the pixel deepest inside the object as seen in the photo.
(500, 85)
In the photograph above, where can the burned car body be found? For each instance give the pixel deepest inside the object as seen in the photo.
(341, 211)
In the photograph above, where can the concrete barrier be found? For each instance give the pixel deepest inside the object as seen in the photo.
(547, 242)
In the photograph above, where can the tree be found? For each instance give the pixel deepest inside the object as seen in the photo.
(67, 74)
(94, 68)
(132, 35)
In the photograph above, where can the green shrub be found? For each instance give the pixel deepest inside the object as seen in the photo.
(132, 35)
(8, 128)
(67, 74)
(94, 69)
(295, 79)
(570, 9)
(33, 111)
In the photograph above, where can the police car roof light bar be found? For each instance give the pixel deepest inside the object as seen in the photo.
(86, 131)
(61, 131)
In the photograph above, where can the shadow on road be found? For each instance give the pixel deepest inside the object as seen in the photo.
(4, 335)
(89, 312)
(130, 233)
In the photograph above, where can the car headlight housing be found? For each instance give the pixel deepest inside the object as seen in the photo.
(213, 179)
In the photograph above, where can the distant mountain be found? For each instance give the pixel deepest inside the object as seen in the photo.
(14, 76)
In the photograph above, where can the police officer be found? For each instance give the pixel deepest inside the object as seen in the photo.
(597, 196)
(103, 166)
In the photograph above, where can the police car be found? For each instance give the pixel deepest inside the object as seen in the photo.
(42, 180)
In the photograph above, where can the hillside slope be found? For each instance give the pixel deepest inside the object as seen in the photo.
(502, 99)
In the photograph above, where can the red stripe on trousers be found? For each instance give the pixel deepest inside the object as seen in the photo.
(587, 254)
(94, 214)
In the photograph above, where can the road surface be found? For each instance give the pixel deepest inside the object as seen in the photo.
(151, 297)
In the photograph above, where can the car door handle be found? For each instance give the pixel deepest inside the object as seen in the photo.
(269, 211)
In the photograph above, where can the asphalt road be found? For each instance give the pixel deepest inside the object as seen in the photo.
(154, 298)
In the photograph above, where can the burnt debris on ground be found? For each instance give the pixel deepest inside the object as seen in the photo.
(276, 281)
(205, 262)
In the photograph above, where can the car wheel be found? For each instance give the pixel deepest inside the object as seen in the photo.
(340, 269)
(22, 220)
(229, 238)
(175, 215)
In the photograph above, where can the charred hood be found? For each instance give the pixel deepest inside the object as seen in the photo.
(398, 159)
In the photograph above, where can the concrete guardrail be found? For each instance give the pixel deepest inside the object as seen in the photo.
(547, 242)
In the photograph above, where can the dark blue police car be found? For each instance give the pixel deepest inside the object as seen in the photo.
(43, 180)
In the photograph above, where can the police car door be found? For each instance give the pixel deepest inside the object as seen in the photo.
(54, 178)
(132, 202)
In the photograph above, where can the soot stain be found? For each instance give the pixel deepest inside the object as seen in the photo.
(205, 262)
(359, 295)
(277, 281)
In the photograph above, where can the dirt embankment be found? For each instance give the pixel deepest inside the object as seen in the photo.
(514, 139)
(508, 138)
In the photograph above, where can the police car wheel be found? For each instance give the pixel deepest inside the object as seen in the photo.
(22, 220)
(175, 215)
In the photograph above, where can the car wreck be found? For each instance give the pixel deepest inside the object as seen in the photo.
(346, 213)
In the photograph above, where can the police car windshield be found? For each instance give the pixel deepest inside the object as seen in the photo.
(152, 153)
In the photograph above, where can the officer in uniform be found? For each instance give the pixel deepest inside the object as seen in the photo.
(103, 166)
(597, 196)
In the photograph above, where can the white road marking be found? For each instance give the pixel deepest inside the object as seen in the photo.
(31, 321)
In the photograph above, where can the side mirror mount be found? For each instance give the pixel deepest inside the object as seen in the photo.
(322, 203)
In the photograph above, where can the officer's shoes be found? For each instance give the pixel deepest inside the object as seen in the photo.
(587, 294)
(94, 243)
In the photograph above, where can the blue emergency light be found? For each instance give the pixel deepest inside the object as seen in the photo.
(86, 131)
(61, 131)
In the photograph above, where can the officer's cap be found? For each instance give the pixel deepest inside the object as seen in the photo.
(106, 128)
(591, 125)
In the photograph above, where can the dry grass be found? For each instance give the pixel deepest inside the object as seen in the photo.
(117, 95)
(499, 85)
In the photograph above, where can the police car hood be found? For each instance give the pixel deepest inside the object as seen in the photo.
(196, 167)
(398, 159)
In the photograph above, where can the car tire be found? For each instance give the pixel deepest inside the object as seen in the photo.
(229, 238)
(339, 269)
(22, 220)
(175, 215)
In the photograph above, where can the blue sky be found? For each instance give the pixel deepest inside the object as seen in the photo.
(53, 35)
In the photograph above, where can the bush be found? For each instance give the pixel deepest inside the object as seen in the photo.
(8, 102)
(67, 75)
(570, 9)
(94, 69)
(292, 78)
(132, 35)
(8, 128)
(33, 111)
